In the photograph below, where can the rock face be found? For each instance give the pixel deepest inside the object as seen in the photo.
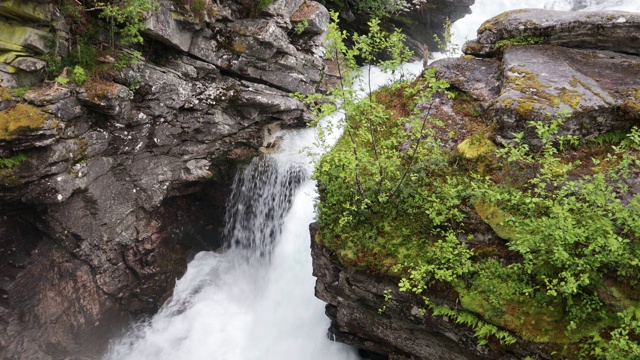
(595, 85)
(105, 187)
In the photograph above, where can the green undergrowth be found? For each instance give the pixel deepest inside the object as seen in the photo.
(563, 264)
(519, 41)
(103, 40)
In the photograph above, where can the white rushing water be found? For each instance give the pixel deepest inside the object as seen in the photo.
(256, 300)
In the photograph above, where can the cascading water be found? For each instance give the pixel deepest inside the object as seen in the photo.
(255, 301)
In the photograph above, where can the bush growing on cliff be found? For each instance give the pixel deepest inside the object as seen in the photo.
(124, 25)
(394, 201)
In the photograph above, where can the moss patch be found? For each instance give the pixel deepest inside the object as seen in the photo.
(5, 94)
(20, 117)
(495, 218)
(476, 146)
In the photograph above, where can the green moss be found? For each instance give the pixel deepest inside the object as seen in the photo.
(20, 117)
(476, 146)
(496, 218)
(519, 41)
(529, 319)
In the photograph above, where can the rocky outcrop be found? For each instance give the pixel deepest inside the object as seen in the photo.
(106, 187)
(594, 88)
(603, 30)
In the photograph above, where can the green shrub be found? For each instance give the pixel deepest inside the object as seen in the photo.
(78, 75)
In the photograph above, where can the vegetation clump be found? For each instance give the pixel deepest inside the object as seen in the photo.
(564, 262)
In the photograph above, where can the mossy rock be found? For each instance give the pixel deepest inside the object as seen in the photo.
(33, 11)
(20, 117)
(16, 37)
(471, 148)
(496, 219)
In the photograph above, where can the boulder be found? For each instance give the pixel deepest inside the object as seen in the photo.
(29, 64)
(603, 30)
(316, 17)
(591, 89)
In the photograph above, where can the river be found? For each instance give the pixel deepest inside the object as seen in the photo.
(255, 301)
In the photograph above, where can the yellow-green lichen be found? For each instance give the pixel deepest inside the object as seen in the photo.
(491, 23)
(525, 106)
(570, 97)
(9, 56)
(26, 10)
(475, 146)
(13, 37)
(238, 47)
(20, 117)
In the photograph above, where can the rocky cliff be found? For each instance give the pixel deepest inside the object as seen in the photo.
(525, 65)
(108, 186)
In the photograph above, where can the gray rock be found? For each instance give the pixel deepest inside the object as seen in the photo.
(110, 98)
(29, 64)
(316, 16)
(602, 30)
(163, 27)
(258, 49)
(543, 82)
(480, 78)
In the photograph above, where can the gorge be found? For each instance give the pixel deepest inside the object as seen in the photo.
(108, 177)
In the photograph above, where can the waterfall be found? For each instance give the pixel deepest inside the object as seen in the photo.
(255, 301)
